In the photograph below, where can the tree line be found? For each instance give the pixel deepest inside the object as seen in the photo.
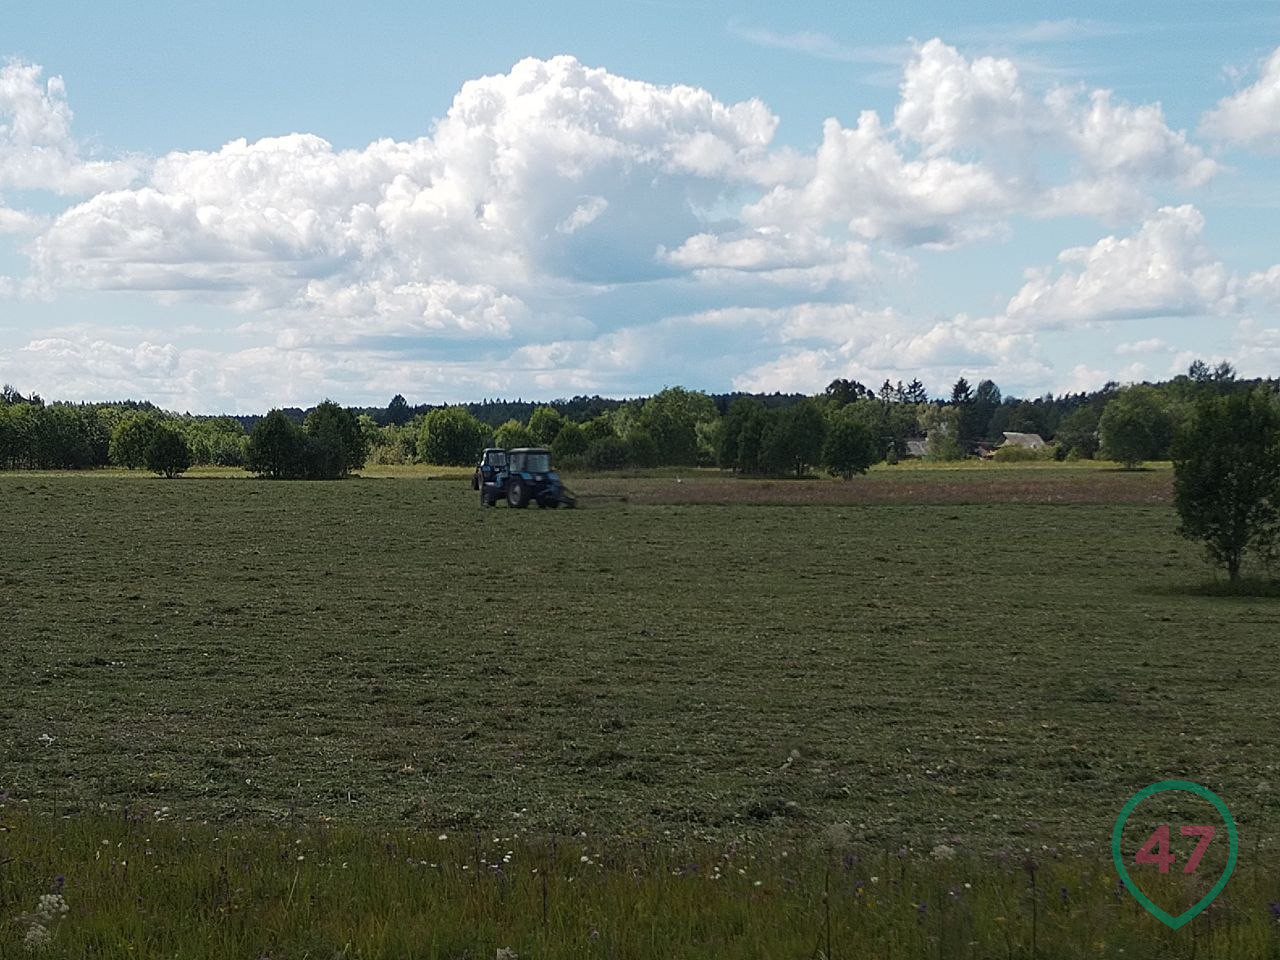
(843, 430)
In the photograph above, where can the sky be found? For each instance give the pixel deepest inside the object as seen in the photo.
(247, 205)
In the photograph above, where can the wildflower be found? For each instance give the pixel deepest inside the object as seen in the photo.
(921, 909)
(443, 836)
(943, 852)
(506, 953)
(51, 907)
(875, 879)
(37, 938)
(1274, 907)
(1063, 894)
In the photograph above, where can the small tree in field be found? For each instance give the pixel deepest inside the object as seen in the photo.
(849, 448)
(1135, 426)
(168, 454)
(131, 439)
(277, 447)
(1226, 465)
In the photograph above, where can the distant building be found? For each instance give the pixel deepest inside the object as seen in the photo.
(1032, 441)
(917, 448)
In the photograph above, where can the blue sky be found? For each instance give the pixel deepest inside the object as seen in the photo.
(229, 208)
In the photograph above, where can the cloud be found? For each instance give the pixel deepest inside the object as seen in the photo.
(971, 146)
(37, 150)
(1249, 117)
(554, 173)
(813, 43)
(1162, 270)
(564, 229)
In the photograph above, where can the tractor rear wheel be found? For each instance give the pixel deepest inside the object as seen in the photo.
(516, 494)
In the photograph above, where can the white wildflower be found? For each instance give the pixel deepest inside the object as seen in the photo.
(51, 907)
(943, 852)
(37, 938)
(506, 953)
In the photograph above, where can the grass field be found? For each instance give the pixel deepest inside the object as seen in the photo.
(988, 661)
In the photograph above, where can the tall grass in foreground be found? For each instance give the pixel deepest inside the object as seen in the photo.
(140, 888)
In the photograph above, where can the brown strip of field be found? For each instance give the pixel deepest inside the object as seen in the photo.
(918, 486)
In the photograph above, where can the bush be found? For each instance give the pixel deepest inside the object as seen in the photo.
(1012, 453)
(570, 443)
(168, 453)
(513, 434)
(607, 453)
(131, 439)
(452, 437)
(276, 448)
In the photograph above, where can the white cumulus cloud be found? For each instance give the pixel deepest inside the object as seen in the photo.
(1249, 117)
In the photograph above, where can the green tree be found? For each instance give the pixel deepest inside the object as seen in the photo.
(793, 438)
(850, 447)
(1226, 469)
(741, 432)
(570, 443)
(277, 448)
(337, 443)
(642, 449)
(544, 424)
(450, 436)
(398, 411)
(607, 453)
(1077, 434)
(671, 417)
(513, 434)
(168, 453)
(131, 439)
(1135, 425)
(941, 426)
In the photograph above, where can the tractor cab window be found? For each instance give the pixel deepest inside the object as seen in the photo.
(536, 461)
(496, 458)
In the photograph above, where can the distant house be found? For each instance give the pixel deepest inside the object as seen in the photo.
(1032, 441)
(917, 448)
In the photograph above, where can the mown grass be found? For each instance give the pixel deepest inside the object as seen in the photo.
(381, 656)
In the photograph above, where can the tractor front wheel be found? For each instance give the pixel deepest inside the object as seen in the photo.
(516, 495)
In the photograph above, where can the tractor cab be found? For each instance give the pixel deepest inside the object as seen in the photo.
(526, 476)
(491, 461)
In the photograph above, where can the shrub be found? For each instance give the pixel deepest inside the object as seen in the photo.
(607, 453)
(131, 439)
(1012, 453)
(451, 436)
(168, 453)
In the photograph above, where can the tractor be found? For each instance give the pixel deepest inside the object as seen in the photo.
(491, 461)
(526, 477)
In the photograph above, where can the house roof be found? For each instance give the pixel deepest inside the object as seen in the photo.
(1022, 439)
(917, 448)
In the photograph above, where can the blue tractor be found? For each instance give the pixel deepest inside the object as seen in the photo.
(491, 461)
(526, 477)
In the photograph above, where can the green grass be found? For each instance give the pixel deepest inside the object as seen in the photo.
(382, 655)
(143, 887)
